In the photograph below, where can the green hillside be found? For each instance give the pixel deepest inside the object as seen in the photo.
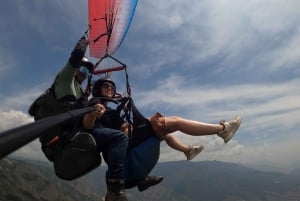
(183, 181)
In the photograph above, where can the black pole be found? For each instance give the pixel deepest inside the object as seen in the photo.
(15, 138)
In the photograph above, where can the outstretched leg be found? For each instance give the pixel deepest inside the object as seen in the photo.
(191, 127)
(162, 126)
(176, 144)
(189, 151)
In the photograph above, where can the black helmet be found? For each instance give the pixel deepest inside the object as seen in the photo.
(85, 62)
(97, 86)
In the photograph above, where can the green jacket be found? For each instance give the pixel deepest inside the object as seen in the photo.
(65, 85)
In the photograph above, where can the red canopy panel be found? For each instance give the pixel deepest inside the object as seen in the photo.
(109, 22)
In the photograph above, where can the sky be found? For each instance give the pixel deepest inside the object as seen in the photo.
(204, 60)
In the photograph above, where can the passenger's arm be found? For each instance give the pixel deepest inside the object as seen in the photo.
(90, 118)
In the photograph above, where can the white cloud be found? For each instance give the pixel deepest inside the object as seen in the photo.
(12, 115)
(287, 56)
(274, 16)
(214, 148)
(21, 100)
(255, 35)
(173, 90)
(281, 153)
(13, 119)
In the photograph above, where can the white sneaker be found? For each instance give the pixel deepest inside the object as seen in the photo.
(230, 128)
(195, 150)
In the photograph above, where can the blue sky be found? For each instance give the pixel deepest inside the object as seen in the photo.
(201, 59)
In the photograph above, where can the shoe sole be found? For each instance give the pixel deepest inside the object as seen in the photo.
(239, 121)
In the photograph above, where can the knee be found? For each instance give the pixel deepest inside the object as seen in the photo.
(122, 137)
(174, 119)
(172, 123)
(168, 137)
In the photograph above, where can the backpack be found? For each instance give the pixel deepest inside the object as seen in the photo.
(44, 106)
(71, 149)
(76, 156)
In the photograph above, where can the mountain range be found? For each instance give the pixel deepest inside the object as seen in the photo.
(24, 180)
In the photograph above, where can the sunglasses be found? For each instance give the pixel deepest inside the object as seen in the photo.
(108, 86)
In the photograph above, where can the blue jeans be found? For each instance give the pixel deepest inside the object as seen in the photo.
(113, 145)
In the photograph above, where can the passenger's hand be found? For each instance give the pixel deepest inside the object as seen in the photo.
(100, 110)
(126, 127)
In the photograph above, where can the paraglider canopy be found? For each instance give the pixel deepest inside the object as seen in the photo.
(109, 21)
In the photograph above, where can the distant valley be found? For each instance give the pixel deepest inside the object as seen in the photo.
(23, 180)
